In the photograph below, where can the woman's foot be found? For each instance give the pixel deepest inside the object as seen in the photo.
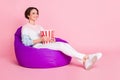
(90, 60)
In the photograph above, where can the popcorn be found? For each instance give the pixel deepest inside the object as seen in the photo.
(48, 33)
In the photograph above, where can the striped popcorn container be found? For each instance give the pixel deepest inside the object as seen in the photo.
(48, 33)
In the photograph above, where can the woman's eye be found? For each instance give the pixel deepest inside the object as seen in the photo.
(33, 13)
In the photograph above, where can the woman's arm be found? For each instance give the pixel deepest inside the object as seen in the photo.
(37, 41)
(42, 40)
(26, 40)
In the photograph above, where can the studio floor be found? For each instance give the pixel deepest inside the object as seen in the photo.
(107, 68)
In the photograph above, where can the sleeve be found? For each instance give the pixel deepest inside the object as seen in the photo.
(26, 40)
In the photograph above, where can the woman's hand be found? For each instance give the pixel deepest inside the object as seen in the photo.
(46, 39)
(53, 40)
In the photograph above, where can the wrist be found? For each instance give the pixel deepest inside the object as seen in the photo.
(40, 40)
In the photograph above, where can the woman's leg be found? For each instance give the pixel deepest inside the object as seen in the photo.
(63, 47)
(87, 60)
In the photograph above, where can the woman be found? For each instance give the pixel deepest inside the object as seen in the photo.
(30, 37)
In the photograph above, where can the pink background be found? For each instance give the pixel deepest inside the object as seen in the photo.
(88, 25)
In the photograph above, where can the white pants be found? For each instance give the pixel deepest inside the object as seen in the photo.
(63, 47)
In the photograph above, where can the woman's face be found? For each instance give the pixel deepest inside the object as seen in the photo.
(33, 15)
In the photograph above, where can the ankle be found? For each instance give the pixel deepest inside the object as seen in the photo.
(85, 58)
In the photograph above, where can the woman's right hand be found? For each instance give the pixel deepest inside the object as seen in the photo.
(45, 39)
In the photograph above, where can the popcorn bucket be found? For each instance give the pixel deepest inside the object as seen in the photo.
(48, 33)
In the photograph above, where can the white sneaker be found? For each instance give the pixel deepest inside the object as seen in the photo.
(92, 58)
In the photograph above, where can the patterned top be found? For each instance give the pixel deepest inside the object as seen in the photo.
(29, 33)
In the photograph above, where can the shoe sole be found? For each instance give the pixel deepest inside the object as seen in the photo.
(94, 59)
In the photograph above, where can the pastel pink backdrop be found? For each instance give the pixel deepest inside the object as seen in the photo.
(88, 25)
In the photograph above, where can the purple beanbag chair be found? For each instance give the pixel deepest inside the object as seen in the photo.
(30, 57)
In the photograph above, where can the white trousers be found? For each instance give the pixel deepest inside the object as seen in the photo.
(63, 47)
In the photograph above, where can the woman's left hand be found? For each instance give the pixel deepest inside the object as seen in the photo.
(53, 40)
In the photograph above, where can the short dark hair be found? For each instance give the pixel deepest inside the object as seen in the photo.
(28, 10)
